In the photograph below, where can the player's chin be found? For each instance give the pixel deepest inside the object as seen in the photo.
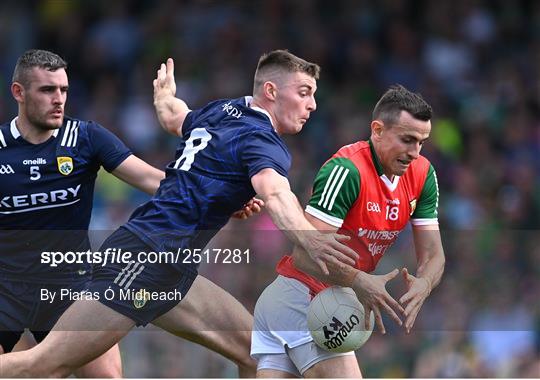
(400, 170)
(300, 125)
(293, 129)
(54, 122)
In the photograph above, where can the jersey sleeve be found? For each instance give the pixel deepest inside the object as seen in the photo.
(188, 122)
(264, 149)
(335, 190)
(108, 148)
(426, 209)
(194, 116)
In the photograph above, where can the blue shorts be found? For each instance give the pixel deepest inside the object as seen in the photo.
(23, 305)
(139, 290)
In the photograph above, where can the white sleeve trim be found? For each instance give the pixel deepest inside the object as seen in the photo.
(332, 220)
(425, 221)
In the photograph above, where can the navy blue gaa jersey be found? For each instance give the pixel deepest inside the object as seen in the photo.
(46, 195)
(222, 146)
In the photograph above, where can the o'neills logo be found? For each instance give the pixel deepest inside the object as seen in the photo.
(340, 330)
(37, 161)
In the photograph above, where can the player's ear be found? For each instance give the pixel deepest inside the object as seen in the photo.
(270, 90)
(377, 127)
(17, 90)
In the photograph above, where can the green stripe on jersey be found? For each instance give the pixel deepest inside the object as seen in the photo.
(429, 199)
(336, 188)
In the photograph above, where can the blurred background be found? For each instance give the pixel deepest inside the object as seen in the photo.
(476, 62)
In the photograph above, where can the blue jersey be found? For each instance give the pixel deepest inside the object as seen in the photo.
(223, 145)
(46, 195)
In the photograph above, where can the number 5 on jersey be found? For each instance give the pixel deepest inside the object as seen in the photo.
(188, 155)
(34, 173)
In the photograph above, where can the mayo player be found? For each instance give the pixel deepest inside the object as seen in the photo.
(369, 189)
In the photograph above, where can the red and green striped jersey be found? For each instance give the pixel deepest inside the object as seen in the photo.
(352, 193)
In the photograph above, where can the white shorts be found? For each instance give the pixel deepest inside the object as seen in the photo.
(280, 327)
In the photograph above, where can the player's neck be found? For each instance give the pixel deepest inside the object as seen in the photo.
(376, 157)
(30, 132)
(387, 173)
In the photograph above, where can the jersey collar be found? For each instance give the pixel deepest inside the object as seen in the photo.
(259, 109)
(390, 184)
(15, 131)
(376, 161)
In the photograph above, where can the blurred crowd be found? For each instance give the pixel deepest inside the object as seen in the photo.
(476, 62)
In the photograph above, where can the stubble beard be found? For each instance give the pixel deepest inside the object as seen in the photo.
(42, 124)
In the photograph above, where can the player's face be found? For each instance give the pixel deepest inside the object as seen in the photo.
(45, 97)
(294, 102)
(399, 144)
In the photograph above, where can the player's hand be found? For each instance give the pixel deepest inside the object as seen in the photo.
(254, 206)
(329, 248)
(164, 84)
(170, 110)
(371, 292)
(418, 290)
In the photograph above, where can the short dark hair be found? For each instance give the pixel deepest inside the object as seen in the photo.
(36, 58)
(284, 61)
(396, 99)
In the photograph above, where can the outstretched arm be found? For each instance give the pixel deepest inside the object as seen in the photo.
(139, 174)
(170, 110)
(283, 207)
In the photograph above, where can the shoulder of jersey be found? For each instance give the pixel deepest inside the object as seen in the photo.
(235, 108)
(421, 164)
(8, 133)
(4, 131)
(227, 105)
(351, 149)
(69, 133)
(240, 109)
